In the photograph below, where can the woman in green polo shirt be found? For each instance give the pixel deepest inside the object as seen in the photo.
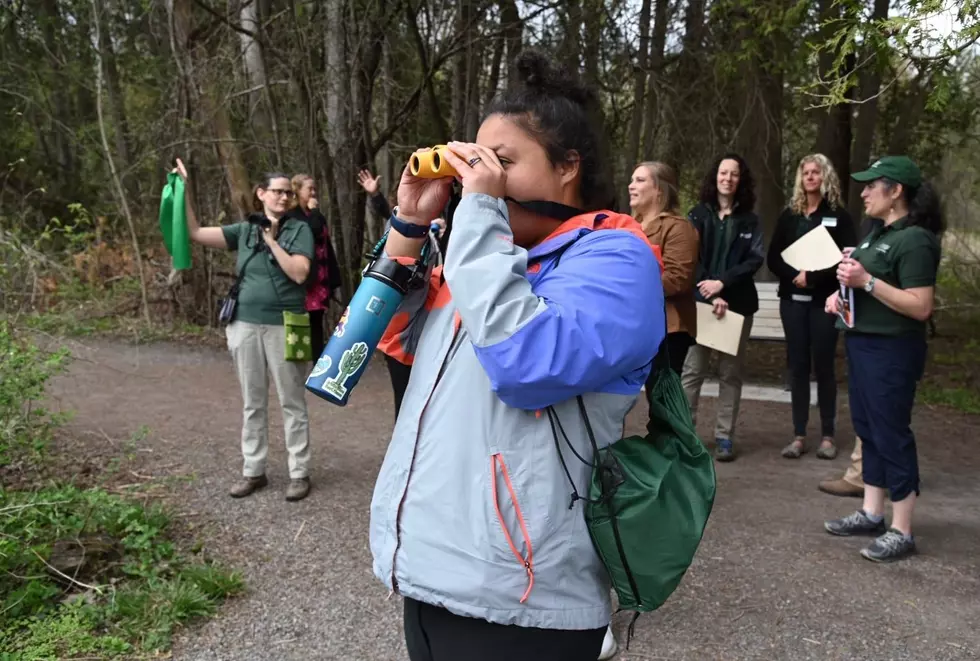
(892, 274)
(274, 254)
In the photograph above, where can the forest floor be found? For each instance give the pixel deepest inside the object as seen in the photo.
(768, 582)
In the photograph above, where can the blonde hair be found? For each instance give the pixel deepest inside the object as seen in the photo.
(665, 179)
(297, 183)
(830, 188)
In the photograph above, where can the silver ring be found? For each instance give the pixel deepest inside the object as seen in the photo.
(473, 161)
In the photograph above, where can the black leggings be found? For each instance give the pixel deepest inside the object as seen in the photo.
(316, 333)
(811, 338)
(435, 634)
(399, 373)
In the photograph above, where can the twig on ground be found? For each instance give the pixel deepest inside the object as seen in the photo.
(96, 588)
(14, 508)
(301, 526)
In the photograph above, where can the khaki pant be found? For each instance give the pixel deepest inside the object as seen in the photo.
(258, 349)
(853, 473)
(729, 380)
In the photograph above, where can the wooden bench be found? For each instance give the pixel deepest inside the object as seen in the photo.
(767, 325)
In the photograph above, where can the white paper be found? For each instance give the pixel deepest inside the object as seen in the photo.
(719, 334)
(814, 251)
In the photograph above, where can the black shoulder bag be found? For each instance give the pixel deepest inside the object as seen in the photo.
(226, 311)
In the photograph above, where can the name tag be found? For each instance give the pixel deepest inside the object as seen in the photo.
(802, 298)
(829, 222)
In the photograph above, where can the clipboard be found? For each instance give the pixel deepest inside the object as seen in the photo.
(814, 251)
(719, 334)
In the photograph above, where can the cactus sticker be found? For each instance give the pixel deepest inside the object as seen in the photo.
(349, 363)
(322, 366)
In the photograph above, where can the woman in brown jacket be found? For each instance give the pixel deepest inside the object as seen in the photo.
(654, 202)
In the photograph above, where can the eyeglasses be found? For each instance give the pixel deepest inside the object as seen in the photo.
(281, 192)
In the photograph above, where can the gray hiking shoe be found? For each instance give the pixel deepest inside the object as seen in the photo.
(246, 486)
(298, 489)
(891, 546)
(856, 523)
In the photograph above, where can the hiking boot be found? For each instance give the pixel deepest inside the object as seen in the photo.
(893, 545)
(724, 450)
(609, 645)
(299, 488)
(856, 523)
(247, 485)
(841, 487)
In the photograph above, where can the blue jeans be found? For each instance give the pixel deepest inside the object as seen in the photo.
(883, 373)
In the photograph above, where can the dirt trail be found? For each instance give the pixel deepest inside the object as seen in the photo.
(768, 583)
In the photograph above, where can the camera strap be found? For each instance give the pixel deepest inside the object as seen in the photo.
(549, 209)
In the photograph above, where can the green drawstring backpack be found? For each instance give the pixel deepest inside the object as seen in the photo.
(649, 498)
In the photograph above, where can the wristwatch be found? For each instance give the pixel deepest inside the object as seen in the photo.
(410, 230)
(870, 285)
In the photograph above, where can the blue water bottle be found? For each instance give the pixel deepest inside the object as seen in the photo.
(359, 330)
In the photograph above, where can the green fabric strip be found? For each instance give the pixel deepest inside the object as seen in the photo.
(173, 222)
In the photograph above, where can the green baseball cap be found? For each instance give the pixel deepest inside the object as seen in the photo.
(897, 168)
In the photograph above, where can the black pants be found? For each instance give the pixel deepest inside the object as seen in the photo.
(435, 634)
(672, 353)
(811, 338)
(399, 373)
(883, 373)
(316, 333)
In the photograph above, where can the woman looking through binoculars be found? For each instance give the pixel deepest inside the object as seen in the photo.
(543, 298)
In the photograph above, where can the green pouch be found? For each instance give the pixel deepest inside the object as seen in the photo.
(649, 500)
(299, 346)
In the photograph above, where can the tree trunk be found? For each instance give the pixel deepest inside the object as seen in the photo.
(867, 119)
(760, 139)
(639, 91)
(655, 65)
(513, 28)
(592, 15)
(117, 111)
(834, 124)
(61, 148)
(254, 66)
(121, 194)
(685, 82)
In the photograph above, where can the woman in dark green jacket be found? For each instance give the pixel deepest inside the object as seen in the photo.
(892, 274)
(730, 254)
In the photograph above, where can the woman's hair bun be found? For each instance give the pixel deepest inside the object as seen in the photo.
(537, 72)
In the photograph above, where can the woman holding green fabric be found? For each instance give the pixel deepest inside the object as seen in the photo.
(274, 254)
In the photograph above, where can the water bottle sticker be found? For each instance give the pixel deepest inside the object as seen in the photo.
(342, 324)
(322, 366)
(375, 306)
(349, 363)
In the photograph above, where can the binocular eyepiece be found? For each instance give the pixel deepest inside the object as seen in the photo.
(431, 164)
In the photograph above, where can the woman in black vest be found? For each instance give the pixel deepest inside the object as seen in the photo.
(731, 252)
(810, 333)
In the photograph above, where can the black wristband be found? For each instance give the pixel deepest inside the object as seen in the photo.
(406, 229)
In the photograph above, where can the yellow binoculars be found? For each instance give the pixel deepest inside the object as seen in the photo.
(431, 164)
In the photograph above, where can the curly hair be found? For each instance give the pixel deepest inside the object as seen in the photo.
(744, 194)
(830, 188)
